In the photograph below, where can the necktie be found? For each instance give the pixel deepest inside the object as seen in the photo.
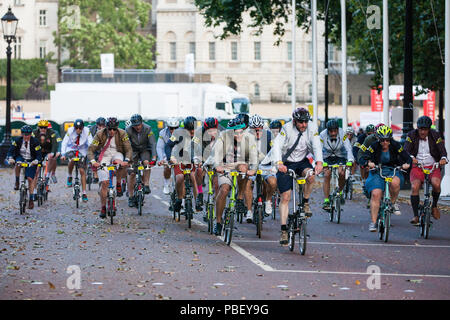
(78, 140)
(26, 144)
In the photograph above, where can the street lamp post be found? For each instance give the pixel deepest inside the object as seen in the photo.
(9, 26)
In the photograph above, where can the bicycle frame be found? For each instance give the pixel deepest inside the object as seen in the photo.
(425, 209)
(188, 195)
(23, 189)
(210, 208)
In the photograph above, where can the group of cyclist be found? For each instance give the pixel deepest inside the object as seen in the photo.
(245, 145)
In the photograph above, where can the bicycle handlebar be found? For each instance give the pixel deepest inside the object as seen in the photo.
(379, 168)
(295, 176)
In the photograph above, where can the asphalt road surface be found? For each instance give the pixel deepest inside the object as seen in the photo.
(59, 252)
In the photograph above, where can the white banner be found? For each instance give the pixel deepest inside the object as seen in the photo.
(107, 64)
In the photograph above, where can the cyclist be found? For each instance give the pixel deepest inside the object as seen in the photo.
(209, 132)
(77, 138)
(264, 143)
(350, 134)
(164, 136)
(115, 147)
(275, 127)
(51, 147)
(336, 149)
(235, 149)
(143, 143)
(289, 151)
(359, 147)
(387, 152)
(25, 148)
(100, 124)
(184, 151)
(425, 146)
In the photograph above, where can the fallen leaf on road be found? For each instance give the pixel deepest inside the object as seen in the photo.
(357, 282)
(51, 285)
(415, 280)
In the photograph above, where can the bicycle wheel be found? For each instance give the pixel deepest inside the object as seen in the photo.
(22, 202)
(111, 209)
(387, 225)
(350, 187)
(229, 222)
(302, 237)
(274, 207)
(338, 210)
(77, 200)
(140, 202)
(426, 223)
(291, 233)
(259, 217)
(188, 211)
(210, 218)
(331, 212)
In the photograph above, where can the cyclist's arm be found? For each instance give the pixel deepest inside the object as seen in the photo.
(64, 143)
(93, 147)
(316, 144)
(12, 150)
(348, 148)
(277, 146)
(160, 148)
(152, 143)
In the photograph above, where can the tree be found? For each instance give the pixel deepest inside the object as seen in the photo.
(107, 26)
(364, 45)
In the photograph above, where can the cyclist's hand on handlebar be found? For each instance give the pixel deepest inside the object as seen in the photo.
(96, 164)
(11, 161)
(124, 163)
(405, 166)
(152, 163)
(414, 161)
(442, 162)
(63, 158)
(219, 169)
(282, 168)
(319, 167)
(251, 172)
(34, 162)
(371, 165)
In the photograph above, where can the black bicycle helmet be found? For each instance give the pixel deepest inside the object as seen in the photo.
(370, 129)
(332, 124)
(78, 124)
(235, 123)
(26, 129)
(275, 124)
(245, 119)
(136, 119)
(301, 114)
(424, 122)
(189, 123)
(101, 121)
(210, 123)
(112, 123)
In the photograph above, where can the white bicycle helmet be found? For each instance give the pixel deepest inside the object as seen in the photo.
(350, 130)
(256, 121)
(173, 122)
(127, 123)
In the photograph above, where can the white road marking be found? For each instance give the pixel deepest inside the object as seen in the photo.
(156, 197)
(367, 274)
(358, 244)
(165, 202)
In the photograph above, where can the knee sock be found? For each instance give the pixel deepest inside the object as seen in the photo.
(17, 179)
(415, 200)
(284, 227)
(200, 189)
(435, 198)
(305, 200)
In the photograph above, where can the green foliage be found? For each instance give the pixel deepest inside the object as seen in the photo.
(364, 45)
(17, 91)
(23, 70)
(117, 33)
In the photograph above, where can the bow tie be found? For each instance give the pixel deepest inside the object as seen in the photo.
(334, 140)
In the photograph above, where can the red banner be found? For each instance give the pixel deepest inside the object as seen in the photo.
(376, 100)
(429, 105)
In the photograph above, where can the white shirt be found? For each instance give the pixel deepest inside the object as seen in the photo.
(423, 154)
(25, 151)
(69, 141)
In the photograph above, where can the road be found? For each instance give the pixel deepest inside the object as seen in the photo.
(153, 257)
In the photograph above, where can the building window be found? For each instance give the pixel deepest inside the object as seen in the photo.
(257, 93)
(192, 48)
(257, 46)
(331, 52)
(212, 51)
(42, 49)
(289, 50)
(43, 18)
(310, 47)
(173, 51)
(17, 2)
(18, 48)
(234, 53)
(310, 90)
(289, 90)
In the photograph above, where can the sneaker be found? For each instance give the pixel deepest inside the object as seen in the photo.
(16, 186)
(326, 204)
(166, 189)
(435, 213)
(69, 182)
(131, 202)
(415, 221)
(119, 190)
(147, 190)
(396, 209)
(307, 210)
(103, 212)
(249, 216)
(218, 229)
(268, 209)
(177, 206)
(198, 204)
(284, 237)
(54, 180)
(31, 204)
(205, 216)
(84, 197)
(372, 227)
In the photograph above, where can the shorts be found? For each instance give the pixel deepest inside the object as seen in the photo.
(71, 154)
(30, 171)
(179, 170)
(141, 156)
(335, 160)
(103, 175)
(417, 174)
(374, 180)
(284, 180)
(227, 179)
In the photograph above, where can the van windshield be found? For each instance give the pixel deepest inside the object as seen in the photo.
(240, 105)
